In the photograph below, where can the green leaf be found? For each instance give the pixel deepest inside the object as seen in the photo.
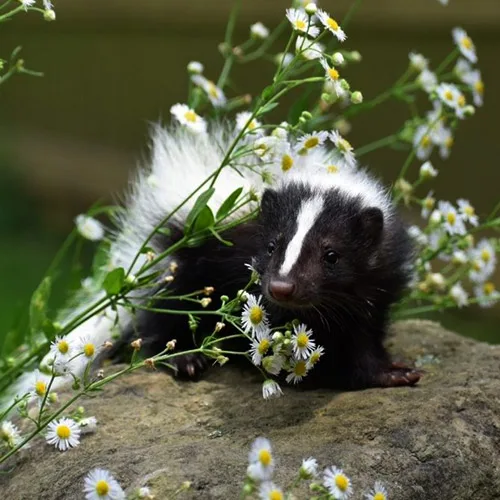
(267, 92)
(113, 282)
(267, 108)
(39, 305)
(204, 220)
(166, 231)
(228, 204)
(199, 205)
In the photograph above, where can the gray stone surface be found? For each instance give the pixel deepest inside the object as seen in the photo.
(438, 440)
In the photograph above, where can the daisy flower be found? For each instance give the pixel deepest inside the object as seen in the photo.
(378, 492)
(459, 257)
(428, 204)
(254, 316)
(331, 25)
(88, 425)
(485, 254)
(61, 352)
(261, 344)
(338, 484)
(444, 139)
(333, 78)
(242, 120)
(214, 93)
(284, 59)
(88, 349)
(274, 363)
(459, 295)
(63, 434)
(301, 23)
(477, 272)
(101, 485)
(302, 343)
(269, 491)
(309, 468)
(259, 31)
(427, 171)
(315, 357)
(417, 235)
(308, 49)
(453, 222)
(452, 97)
(266, 147)
(261, 459)
(281, 131)
(467, 211)
(90, 228)
(40, 386)
(271, 389)
(344, 148)
(427, 80)
(475, 81)
(486, 294)
(418, 62)
(10, 434)
(422, 142)
(187, 117)
(27, 3)
(462, 69)
(298, 371)
(465, 44)
(311, 141)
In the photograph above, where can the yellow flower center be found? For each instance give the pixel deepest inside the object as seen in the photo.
(467, 43)
(425, 141)
(344, 145)
(275, 495)
(264, 345)
(488, 288)
(265, 457)
(451, 218)
(314, 358)
(190, 116)
(102, 488)
(300, 368)
(479, 86)
(89, 350)
(448, 95)
(449, 142)
(469, 210)
(485, 255)
(300, 25)
(312, 142)
(461, 101)
(256, 315)
(429, 203)
(379, 496)
(477, 265)
(341, 482)
(63, 346)
(302, 340)
(332, 169)
(252, 125)
(332, 24)
(333, 74)
(63, 432)
(40, 387)
(286, 163)
(213, 91)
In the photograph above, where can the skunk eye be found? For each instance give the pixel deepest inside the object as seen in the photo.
(331, 257)
(271, 247)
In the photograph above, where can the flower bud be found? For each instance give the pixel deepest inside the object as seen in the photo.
(338, 59)
(357, 97)
(311, 8)
(136, 344)
(49, 15)
(205, 302)
(427, 171)
(195, 68)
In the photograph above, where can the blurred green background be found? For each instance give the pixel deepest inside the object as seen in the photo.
(112, 67)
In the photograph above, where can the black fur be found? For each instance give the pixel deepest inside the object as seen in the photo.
(344, 298)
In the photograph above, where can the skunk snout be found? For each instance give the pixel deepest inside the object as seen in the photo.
(281, 291)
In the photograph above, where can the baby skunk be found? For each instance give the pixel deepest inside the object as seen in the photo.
(330, 249)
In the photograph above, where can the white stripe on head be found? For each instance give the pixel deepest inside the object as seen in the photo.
(308, 213)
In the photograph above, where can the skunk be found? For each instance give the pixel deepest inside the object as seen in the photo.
(328, 244)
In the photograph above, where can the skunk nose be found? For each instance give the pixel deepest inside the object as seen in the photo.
(281, 290)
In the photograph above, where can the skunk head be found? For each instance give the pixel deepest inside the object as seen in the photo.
(318, 245)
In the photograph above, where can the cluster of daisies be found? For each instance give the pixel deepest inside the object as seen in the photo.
(331, 483)
(449, 102)
(293, 350)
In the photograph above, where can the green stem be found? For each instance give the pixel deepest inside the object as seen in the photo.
(380, 143)
(8, 15)
(447, 61)
(350, 13)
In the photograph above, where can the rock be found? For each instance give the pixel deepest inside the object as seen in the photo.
(438, 440)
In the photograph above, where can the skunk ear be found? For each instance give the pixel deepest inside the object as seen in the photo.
(268, 203)
(370, 225)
